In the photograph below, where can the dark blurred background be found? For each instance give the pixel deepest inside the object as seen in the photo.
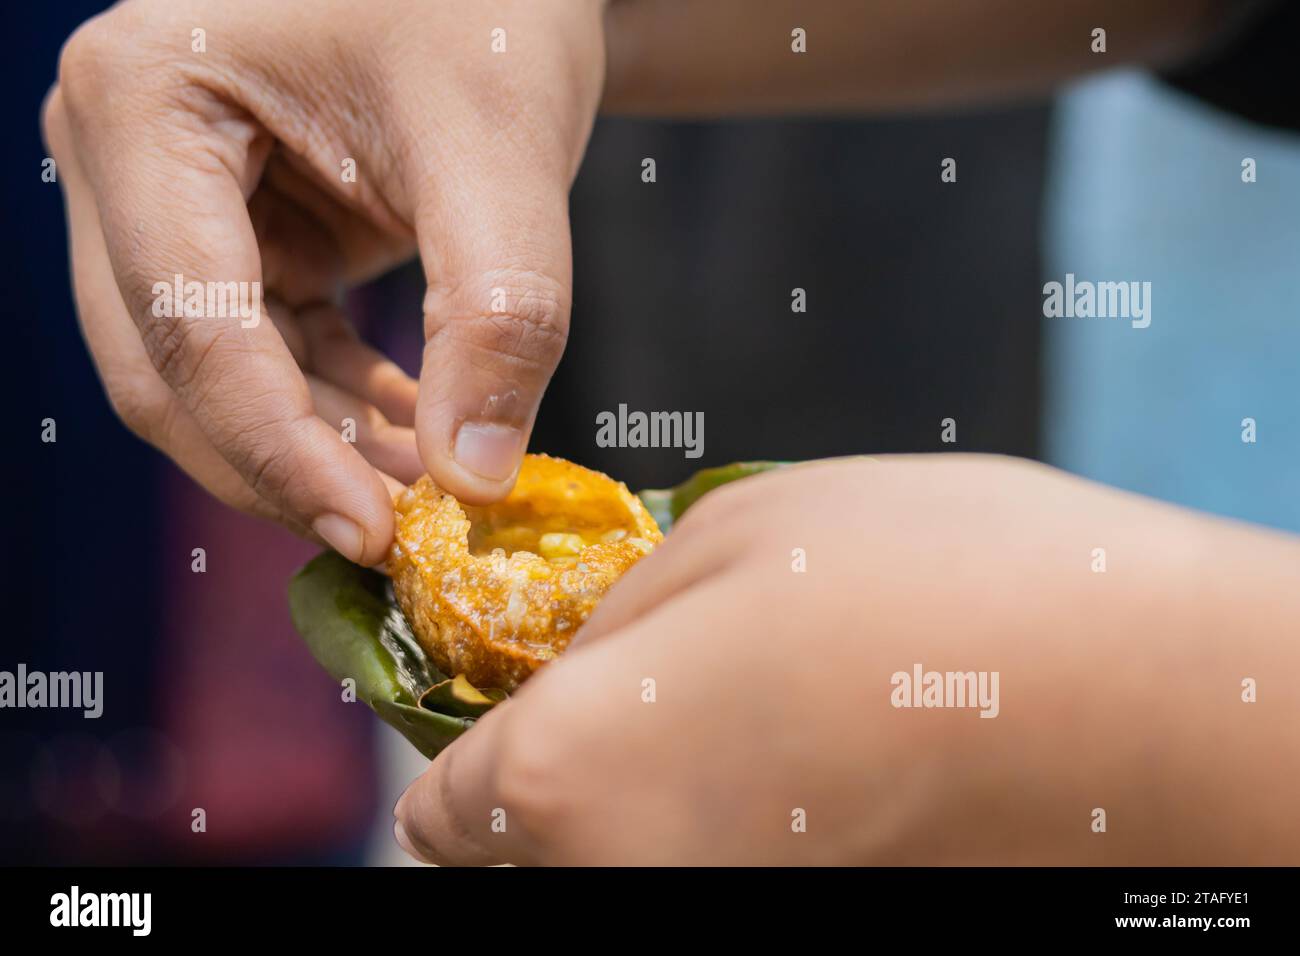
(923, 303)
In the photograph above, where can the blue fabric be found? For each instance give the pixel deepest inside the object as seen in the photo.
(1146, 185)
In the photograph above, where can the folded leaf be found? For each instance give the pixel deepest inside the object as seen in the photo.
(355, 630)
(666, 505)
(458, 696)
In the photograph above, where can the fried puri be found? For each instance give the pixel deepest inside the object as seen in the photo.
(495, 592)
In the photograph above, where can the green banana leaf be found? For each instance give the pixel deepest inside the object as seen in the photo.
(666, 505)
(355, 630)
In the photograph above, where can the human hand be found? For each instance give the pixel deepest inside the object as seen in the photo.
(308, 146)
(774, 694)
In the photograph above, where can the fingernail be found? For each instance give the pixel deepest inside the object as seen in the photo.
(489, 450)
(404, 841)
(341, 534)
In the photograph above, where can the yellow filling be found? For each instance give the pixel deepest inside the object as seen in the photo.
(545, 536)
(556, 511)
(553, 536)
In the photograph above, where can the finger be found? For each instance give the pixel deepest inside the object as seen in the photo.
(436, 822)
(300, 262)
(147, 406)
(286, 326)
(701, 545)
(687, 558)
(139, 396)
(388, 447)
(172, 203)
(301, 266)
(538, 780)
(495, 246)
(336, 353)
(323, 343)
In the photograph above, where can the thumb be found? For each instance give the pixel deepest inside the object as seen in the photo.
(496, 318)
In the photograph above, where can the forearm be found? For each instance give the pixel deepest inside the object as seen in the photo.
(711, 57)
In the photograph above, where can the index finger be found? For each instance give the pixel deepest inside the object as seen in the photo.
(172, 201)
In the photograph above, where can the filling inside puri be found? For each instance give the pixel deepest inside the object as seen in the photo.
(556, 534)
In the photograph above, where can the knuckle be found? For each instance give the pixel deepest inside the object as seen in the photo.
(264, 442)
(124, 50)
(535, 791)
(139, 411)
(177, 350)
(257, 429)
(520, 317)
(85, 61)
(269, 469)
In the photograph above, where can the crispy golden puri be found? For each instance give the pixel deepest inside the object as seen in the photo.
(495, 592)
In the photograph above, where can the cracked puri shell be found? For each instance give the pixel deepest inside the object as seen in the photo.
(495, 592)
